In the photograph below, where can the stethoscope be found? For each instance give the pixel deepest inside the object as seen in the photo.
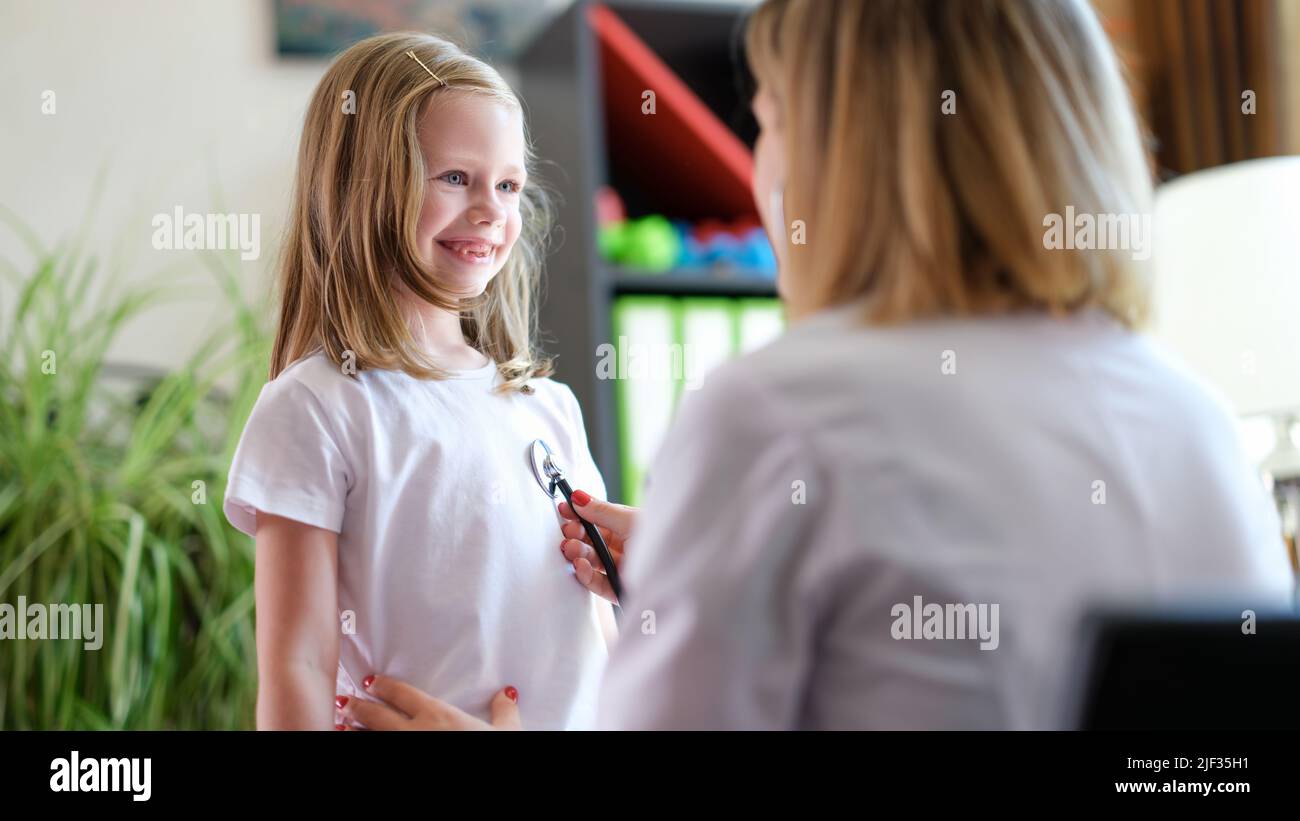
(550, 476)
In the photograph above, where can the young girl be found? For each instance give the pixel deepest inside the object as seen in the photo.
(385, 468)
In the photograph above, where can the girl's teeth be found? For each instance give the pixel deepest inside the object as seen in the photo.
(472, 248)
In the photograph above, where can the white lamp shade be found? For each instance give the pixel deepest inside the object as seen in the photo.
(1227, 279)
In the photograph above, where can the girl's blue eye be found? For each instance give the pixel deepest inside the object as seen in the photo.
(454, 177)
(511, 186)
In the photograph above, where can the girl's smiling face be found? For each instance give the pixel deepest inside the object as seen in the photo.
(474, 155)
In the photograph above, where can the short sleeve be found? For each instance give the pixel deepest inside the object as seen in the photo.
(288, 462)
(720, 606)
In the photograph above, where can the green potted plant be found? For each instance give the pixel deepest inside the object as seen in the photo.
(110, 494)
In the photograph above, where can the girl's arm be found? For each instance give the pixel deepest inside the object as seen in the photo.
(296, 587)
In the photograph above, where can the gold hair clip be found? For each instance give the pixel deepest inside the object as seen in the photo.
(441, 81)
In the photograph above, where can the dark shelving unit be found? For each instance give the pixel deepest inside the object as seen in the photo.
(561, 84)
(688, 283)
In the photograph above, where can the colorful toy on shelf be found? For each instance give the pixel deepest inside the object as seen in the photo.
(742, 246)
(653, 244)
(648, 244)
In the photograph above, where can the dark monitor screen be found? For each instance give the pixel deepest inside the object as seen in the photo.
(1190, 671)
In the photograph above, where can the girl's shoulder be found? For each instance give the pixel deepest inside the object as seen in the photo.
(314, 368)
(313, 377)
(318, 368)
(546, 389)
(555, 396)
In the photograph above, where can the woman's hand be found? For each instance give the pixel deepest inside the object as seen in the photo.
(615, 525)
(410, 708)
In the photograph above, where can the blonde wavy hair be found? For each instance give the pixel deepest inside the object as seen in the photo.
(919, 213)
(357, 199)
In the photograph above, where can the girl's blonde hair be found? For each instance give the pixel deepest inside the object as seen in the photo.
(920, 212)
(357, 199)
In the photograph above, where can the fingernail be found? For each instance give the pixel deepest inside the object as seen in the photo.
(340, 726)
(367, 681)
(340, 701)
(512, 694)
(580, 498)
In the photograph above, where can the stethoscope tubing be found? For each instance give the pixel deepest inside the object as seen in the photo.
(597, 542)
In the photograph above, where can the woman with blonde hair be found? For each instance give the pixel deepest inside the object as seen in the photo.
(892, 516)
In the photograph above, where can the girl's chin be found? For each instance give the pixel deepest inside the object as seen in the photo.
(462, 284)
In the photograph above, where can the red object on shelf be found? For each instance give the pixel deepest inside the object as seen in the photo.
(685, 158)
(609, 207)
(708, 229)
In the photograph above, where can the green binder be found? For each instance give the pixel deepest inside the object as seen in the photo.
(664, 347)
(646, 330)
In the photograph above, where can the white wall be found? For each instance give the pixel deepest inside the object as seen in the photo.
(177, 100)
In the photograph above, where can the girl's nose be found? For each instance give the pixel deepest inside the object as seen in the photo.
(486, 210)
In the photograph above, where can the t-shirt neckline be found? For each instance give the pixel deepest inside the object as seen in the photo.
(487, 371)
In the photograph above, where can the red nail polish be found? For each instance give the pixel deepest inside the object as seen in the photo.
(367, 681)
(581, 498)
(512, 694)
(340, 726)
(340, 701)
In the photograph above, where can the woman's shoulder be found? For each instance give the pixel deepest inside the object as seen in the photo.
(741, 404)
(835, 368)
(835, 371)
(774, 386)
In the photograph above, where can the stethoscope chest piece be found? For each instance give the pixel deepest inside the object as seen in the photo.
(545, 470)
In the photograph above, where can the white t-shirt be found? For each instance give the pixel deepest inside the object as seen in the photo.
(449, 552)
(812, 487)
